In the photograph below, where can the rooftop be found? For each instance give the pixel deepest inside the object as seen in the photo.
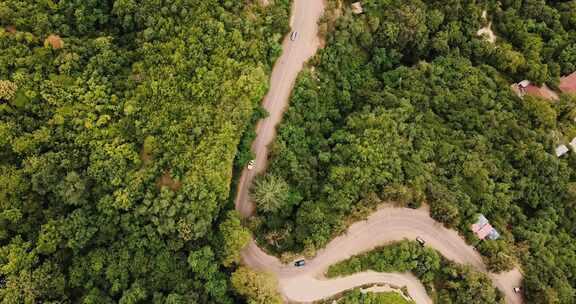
(525, 87)
(568, 83)
(561, 150)
(542, 92)
(483, 229)
(494, 234)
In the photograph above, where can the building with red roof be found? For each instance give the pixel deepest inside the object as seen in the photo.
(568, 83)
(525, 87)
(483, 229)
(543, 92)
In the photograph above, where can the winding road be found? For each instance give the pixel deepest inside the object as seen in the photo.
(387, 224)
(304, 20)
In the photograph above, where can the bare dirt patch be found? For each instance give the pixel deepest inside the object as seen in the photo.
(486, 31)
(166, 180)
(145, 156)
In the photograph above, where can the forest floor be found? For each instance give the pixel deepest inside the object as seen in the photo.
(306, 284)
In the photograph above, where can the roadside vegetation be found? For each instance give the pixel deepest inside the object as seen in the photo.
(257, 287)
(357, 297)
(407, 104)
(445, 281)
(119, 125)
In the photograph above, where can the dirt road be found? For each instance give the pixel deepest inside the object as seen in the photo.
(384, 226)
(305, 16)
(306, 284)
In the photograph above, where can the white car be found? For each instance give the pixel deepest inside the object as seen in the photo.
(251, 164)
(293, 36)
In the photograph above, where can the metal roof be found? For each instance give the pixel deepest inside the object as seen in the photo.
(561, 150)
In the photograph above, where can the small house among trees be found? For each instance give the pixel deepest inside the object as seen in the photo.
(568, 83)
(525, 87)
(483, 229)
(561, 150)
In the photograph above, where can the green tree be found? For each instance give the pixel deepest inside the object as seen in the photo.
(118, 142)
(541, 110)
(7, 90)
(257, 287)
(270, 193)
(235, 237)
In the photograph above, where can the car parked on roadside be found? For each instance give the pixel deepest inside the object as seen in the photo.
(300, 263)
(293, 36)
(421, 241)
(252, 164)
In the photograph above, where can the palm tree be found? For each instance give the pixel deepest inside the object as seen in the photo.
(269, 192)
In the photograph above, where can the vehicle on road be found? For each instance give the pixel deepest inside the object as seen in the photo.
(299, 263)
(293, 36)
(420, 240)
(251, 164)
(517, 289)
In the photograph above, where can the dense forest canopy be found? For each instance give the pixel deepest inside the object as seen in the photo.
(119, 124)
(543, 34)
(408, 104)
